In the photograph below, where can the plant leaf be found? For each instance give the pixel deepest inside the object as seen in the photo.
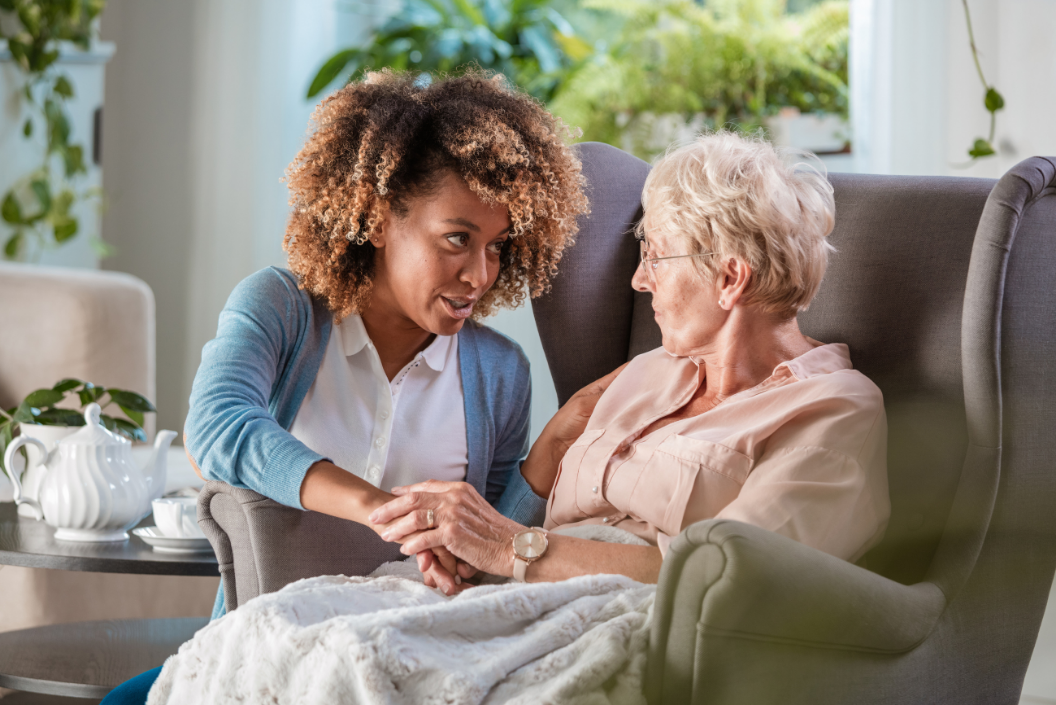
(10, 210)
(136, 416)
(575, 48)
(73, 156)
(67, 384)
(123, 427)
(65, 229)
(27, 128)
(44, 397)
(13, 244)
(993, 101)
(19, 51)
(131, 400)
(61, 417)
(981, 148)
(62, 202)
(470, 11)
(24, 413)
(329, 70)
(42, 191)
(58, 126)
(63, 87)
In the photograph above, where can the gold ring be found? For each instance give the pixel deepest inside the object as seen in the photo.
(429, 517)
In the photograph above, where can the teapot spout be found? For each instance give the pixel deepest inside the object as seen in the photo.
(155, 471)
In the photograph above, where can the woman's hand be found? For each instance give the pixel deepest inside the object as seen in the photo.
(571, 419)
(463, 523)
(540, 467)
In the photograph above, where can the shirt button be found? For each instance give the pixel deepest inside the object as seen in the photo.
(380, 442)
(374, 470)
(384, 415)
(594, 490)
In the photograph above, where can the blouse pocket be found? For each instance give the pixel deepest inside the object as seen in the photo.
(567, 480)
(666, 486)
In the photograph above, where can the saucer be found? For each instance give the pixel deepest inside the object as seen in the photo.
(168, 544)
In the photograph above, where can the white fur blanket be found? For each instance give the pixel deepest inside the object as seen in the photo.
(390, 639)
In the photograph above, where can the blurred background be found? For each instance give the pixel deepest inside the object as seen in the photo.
(151, 136)
(168, 125)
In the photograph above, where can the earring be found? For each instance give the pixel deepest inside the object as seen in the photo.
(722, 302)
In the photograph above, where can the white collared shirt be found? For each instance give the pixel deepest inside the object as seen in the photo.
(388, 433)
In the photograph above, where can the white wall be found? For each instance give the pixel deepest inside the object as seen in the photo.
(204, 109)
(916, 99)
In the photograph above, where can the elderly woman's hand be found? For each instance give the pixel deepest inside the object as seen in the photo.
(569, 422)
(540, 467)
(463, 523)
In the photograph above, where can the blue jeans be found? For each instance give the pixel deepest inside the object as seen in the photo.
(133, 691)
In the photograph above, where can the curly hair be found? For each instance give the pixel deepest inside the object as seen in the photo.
(389, 138)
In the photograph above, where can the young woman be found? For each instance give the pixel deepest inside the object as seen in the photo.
(416, 209)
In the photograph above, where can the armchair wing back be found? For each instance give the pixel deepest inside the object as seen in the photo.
(942, 288)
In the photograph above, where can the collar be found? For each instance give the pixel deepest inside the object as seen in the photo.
(822, 360)
(354, 338)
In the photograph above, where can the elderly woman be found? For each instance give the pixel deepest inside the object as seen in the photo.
(738, 416)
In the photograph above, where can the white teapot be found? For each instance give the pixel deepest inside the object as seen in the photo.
(90, 489)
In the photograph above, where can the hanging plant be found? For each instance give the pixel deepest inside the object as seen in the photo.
(37, 211)
(992, 100)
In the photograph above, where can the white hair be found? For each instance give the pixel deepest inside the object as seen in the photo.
(739, 197)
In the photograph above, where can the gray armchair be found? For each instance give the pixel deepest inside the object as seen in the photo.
(943, 289)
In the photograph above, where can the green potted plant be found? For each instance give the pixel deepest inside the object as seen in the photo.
(40, 416)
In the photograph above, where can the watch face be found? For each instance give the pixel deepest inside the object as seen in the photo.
(529, 544)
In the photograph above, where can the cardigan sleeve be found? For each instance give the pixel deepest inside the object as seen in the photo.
(507, 489)
(230, 431)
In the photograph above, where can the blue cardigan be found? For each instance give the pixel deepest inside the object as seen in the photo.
(256, 372)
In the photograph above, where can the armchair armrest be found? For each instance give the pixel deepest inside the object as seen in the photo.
(262, 546)
(730, 580)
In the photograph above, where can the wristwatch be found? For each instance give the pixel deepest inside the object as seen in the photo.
(528, 547)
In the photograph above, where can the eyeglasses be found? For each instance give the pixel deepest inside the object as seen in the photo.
(654, 262)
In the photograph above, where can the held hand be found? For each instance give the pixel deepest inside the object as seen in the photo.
(463, 523)
(443, 573)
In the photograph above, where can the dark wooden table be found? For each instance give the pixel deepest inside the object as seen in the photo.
(31, 544)
(88, 659)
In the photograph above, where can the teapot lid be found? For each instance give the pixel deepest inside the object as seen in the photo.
(93, 433)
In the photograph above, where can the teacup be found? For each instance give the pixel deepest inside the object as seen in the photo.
(177, 517)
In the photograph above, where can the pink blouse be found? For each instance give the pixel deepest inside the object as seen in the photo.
(804, 453)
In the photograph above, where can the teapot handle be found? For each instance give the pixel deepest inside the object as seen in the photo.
(9, 456)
